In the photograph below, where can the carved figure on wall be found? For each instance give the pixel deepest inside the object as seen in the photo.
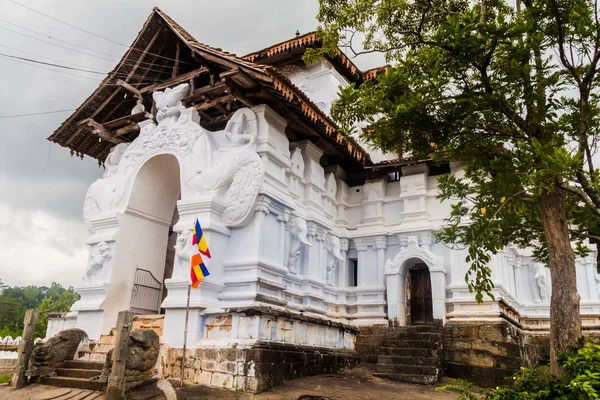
(541, 279)
(298, 238)
(168, 102)
(184, 251)
(597, 279)
(333, 248)
(103, 194)
(98, 259)
(412, 240)
(240, 169)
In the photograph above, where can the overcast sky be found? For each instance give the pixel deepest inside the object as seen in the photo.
(42, 188)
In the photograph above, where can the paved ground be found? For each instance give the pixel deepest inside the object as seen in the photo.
(355, 384)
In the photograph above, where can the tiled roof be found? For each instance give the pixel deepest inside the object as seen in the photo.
(83, 143)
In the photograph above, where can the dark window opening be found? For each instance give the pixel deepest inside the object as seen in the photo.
(352, 272)
(439, 169)
(393, 176)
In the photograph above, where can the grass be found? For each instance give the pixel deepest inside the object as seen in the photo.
(4, 378)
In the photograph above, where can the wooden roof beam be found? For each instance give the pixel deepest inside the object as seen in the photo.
(175, 80)
(127, 86)
(212, 103)
(206, 91)
(99, 129)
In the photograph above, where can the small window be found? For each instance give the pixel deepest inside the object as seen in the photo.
(352, 272)
(393, 176)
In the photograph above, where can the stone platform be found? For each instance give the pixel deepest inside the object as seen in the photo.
(256, 348)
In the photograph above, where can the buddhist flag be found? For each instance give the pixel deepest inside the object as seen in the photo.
(200, 240)
(198, 271)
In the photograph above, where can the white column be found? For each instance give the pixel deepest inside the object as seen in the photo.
(343, 266)
(361, 253)
(380, 246)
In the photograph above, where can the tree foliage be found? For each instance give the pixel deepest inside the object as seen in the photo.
(580, 381)
(14, 301)
(512, 94)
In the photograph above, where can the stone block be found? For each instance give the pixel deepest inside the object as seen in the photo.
(221, 380)
(228, 355)
(226, 367)
(203, 378)
(208, 365)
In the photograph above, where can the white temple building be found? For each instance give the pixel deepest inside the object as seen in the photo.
(311, 233)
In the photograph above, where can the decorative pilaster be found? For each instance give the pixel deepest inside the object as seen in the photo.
(312, 260)
(380, 246)
(361, 250)
(321, 237)
(343, 274)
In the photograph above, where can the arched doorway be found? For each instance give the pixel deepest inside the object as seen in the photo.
(142, 239)
(420, 301)
(415, 286)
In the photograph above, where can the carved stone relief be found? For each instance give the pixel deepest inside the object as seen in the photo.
(330, 186)
(413, 250)
(105, 192)
(99, 258)
(297, 162)
(298, 239)
(239, 171)
(301, 78)
(541, 280)
(168, 102)
(184, 250)
(333, 248)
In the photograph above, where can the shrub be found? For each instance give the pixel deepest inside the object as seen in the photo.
(580, 381)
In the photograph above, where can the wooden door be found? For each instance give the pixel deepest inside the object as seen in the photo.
(421, 306)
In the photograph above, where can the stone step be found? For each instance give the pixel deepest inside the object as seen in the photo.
(94, 356)
(394, 351)
(425, 336)
(407, 369)
(409, 378)
(420, 379)
(412, 344)
(433, 361)
(77, 383)
(79, 364)
(78, 372)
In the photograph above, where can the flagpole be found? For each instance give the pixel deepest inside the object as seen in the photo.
(187, 314)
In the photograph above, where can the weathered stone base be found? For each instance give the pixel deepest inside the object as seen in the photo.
(256, 369)
(484, 352)
(487, 353)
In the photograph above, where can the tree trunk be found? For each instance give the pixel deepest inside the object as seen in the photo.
(565, 321)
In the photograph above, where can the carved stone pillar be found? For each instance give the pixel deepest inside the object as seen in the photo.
(321, 238)
(343, 270)
(361, 250)
(312, 258)
(380, 246)
(283, 236)
(518, 278)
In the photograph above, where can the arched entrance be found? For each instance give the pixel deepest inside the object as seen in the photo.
(415, 286)
(419, 298)
(142, 239)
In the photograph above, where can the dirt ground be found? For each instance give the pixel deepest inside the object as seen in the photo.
(355, 384)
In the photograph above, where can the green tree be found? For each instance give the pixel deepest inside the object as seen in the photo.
(57, 299)
(511, 93)
(14, 301)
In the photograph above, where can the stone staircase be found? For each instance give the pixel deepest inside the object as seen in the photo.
(411, 354)
(76, 374)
